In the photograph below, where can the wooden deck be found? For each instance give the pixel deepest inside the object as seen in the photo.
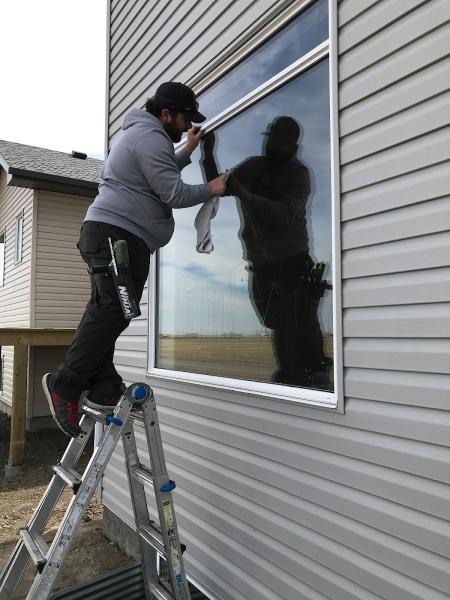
(22, 339)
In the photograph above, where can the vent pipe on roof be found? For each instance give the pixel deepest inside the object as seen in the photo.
(80, 155)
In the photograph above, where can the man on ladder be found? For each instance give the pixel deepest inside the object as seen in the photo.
(129, 219)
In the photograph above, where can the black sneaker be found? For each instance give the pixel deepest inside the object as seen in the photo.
(64, 412)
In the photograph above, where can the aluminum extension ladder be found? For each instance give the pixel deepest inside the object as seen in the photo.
(153, 540)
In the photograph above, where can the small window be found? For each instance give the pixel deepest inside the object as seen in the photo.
(2, 258)
(19, 239)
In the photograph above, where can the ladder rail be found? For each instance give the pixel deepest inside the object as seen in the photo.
(140, 509)
(15, 567)
(43, 583)
(153, 542)
(163, 495)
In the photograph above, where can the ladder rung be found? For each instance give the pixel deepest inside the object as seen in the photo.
(153, 537)
(159, 592)
(36, 546)
(143, 474)
(97, 415)
(70, 476)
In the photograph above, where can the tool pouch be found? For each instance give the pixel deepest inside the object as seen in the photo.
(123, 280)
(314, 279)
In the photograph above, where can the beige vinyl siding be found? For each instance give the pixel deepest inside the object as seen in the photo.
(281, 502)
(15, 293)
(7, 354)
(61, 284)
(15, 302)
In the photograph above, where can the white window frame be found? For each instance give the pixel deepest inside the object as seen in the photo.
(3, 259)
(303, 396)
(18, 238)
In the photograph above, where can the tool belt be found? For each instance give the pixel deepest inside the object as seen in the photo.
(119, 270)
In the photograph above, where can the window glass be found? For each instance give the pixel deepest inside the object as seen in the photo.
(257, 307)
(303, 34)
(19, 239)
(2, 258)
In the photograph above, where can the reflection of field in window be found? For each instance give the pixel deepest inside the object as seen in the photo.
(237, 357)
(208, 320)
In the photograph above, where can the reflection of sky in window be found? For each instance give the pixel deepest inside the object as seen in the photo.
(208, 294)
(303, 34)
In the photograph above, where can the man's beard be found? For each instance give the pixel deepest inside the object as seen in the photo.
(173, 133)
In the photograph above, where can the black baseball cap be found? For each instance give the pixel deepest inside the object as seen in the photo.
(284, 127)
(180, 97)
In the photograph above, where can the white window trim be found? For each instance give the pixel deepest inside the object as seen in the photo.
(18, 252)
(2, 267)
(304, 396)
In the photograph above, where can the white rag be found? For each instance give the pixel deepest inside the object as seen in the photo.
(203, 224)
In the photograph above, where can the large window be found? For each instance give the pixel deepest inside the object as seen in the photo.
(258, 311)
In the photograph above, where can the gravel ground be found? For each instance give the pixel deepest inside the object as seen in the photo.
(91, 553)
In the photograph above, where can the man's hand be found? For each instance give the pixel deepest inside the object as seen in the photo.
(217, 186)
(194, 135)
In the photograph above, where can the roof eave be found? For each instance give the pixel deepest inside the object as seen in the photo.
(51, 183)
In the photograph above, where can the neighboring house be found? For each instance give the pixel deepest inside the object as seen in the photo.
(286, 492)
(44, 196)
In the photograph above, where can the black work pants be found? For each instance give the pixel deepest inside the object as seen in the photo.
(89, 361)
(287, 304)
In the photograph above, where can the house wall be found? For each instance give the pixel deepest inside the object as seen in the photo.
(61, 285)
(15, 293)
(276, 501)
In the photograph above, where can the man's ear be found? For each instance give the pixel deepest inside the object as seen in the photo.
(165, 115)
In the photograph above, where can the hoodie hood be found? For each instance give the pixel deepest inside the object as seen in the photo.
(140, 182)
(138, 116)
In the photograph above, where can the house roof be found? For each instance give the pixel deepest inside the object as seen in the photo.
(40, 168)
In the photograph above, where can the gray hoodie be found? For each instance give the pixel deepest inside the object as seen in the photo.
(140, 182)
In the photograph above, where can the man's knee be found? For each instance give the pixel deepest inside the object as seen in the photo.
(111, 315)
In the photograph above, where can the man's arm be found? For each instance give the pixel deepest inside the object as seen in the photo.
(288, 205)
(156, 158)
(209, 161)
(183, 156)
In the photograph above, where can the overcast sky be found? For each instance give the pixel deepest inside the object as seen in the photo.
(53, 57)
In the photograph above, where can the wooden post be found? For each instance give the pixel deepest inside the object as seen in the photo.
(19, 406)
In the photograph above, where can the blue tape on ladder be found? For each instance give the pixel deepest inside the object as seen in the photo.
(168, 487)
(114, 420)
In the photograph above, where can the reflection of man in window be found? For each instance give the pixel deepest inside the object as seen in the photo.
(273, 190)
